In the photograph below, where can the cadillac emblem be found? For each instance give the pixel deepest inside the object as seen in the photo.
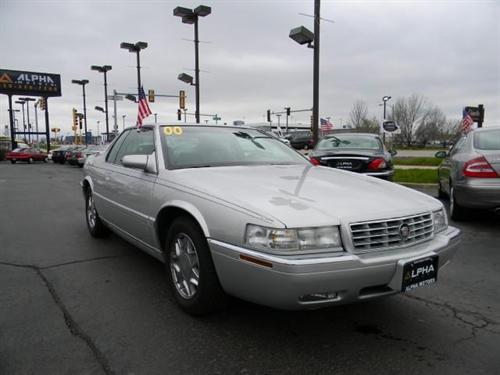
(404, 231)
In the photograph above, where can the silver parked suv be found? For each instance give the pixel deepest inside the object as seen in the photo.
(470, 172)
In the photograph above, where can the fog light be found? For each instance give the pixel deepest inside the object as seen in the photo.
(319, 297)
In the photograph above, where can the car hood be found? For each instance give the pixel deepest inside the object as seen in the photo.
(304, 195)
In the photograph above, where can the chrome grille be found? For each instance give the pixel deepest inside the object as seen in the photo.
(384, 234)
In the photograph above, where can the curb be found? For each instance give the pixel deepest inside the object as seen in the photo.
(415, 184)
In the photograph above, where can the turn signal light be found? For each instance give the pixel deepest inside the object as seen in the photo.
(315, 161)
(376, 164)
(479, 168)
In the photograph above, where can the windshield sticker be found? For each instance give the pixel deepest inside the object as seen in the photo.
(172, 130)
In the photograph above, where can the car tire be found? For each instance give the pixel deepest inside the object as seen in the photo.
(30, 161)
(45, 160)
(457, 212)
(94, 223)
(12, 162)
(187, 255)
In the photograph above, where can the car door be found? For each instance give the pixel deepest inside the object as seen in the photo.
(128, 191)
(452, 163)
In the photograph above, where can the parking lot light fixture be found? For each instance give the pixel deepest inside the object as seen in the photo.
(190, 16)
(302, 36)
(83, 82)
(100, 109)
(186, 78)
(104, 69)
(136, 48)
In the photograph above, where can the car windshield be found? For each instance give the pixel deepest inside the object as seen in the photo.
(356, 141)
(21, 150)
(489, 140)
(208, 146)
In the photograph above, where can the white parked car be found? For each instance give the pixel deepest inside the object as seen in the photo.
(231, 210)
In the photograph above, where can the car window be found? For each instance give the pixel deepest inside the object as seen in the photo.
(116, 147)
(138, 142)
(350, 141)
(458, 146)
(489, 140)
(196, 146)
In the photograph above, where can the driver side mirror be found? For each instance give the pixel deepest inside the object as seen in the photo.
(441, 154)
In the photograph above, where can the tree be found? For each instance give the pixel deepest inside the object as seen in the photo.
(450, 130)
(369, 126)
(430, 125)
(359, 112)
(407, 112)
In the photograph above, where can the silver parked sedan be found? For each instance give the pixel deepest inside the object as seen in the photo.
(231, 210)
(470, 172)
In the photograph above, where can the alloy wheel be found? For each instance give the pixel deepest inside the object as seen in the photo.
(185, 266)
(91, 211)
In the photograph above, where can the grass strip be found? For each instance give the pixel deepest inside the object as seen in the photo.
(416, 175)
(424, 161)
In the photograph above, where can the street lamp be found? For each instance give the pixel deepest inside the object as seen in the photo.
(104, 69)
(136, 48)
(98, 134)
(130, 97)
(27, 101)
(385, 99)
(302, 36)
(123, 120)
(22, 102)
(83, 82)
(100, 109)
(190, 16)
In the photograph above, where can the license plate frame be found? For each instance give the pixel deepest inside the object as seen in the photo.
(420, 272)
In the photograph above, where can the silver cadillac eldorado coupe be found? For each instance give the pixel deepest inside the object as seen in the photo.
(231, 210)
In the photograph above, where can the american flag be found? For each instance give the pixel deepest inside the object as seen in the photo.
(144, 110)
(466, 122)
(326, 125)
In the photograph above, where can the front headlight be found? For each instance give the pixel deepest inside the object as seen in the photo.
(288, 240)
(440, 220)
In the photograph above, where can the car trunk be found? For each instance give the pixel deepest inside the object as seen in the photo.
(349, 161)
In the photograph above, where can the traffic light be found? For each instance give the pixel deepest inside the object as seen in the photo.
(42, 104)
(287, 111)
(182, 99)
(179, 115)
(151, 96)
(268, 115)
(75, 120)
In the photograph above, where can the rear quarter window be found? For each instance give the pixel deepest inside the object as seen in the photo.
(489, 140)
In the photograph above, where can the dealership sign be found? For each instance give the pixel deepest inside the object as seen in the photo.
(390, 126)
(14, 82)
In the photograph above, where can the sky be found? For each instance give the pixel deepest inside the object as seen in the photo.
(445, 50)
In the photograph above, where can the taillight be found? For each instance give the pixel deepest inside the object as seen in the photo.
(314, 161)
(480, 168)
(376, 164)
(78, 154)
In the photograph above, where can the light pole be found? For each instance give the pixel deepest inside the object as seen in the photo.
(82, 83)
(27, 101)
(156, 118)
(302, 35)
(190, 16)
(136, 48)
(123, 120)
(98, 133)
(24, 121)
(104, 69)
(385, 99)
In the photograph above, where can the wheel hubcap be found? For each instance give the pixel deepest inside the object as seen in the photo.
(91, 212)
(184, 265)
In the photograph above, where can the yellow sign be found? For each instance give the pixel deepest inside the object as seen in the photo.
(172, 130)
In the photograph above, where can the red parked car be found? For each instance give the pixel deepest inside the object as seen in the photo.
(28, 155)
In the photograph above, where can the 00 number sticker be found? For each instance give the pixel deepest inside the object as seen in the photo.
(172, 130)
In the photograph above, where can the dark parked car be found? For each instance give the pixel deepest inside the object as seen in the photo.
(300, 139)
(59, 155)
(470, 172)
(355, 152)
(28, 155)
(72, 155)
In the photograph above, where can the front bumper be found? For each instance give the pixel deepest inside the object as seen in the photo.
(287, 283)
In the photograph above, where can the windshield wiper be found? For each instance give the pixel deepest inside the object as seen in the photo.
(249, 137)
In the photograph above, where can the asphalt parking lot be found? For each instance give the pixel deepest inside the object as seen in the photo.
(71, 304)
